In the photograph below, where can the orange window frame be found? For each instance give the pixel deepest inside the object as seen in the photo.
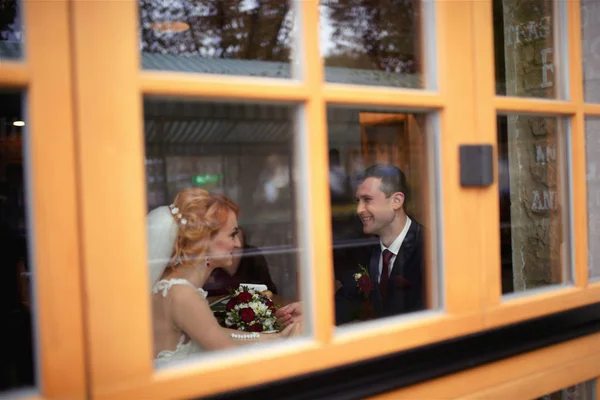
(467, 307)
(112, 179)
(94, 198)
(44, 78)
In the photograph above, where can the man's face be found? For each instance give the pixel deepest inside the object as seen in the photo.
(376, 211)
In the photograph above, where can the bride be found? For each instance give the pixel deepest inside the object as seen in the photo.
(186, 242)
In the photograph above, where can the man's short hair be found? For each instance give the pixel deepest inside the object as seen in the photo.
(392, 179)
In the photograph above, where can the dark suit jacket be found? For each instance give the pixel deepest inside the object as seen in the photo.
(253, 268)
(406, 287)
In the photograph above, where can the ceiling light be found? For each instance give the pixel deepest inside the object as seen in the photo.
(169, 26)
(19, 123)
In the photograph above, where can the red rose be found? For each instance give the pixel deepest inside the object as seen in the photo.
(230, 304)
(233, 327)
(255, 328)
(244, 297)
(247, 315)
(364, 284)
(271, 305)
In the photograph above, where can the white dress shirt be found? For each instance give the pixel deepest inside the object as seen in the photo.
(394, 248)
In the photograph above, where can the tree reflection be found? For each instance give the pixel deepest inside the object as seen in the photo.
(375, 34)
(249, 30)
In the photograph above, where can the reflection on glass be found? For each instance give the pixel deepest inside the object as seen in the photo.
(378, 178)
(524, 47)
(582, 391)
(372, 42)
(11, 30)
(590, 49)
(17, 360)
(533, 208)
(592, 147)
(217, 36)
(222, 216)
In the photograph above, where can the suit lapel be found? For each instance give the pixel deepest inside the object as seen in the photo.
(374, 272)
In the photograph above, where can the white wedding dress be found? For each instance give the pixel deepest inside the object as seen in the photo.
(186, 347)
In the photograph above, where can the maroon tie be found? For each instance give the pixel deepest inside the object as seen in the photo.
(385, 273)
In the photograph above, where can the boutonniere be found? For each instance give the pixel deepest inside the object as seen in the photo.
(402, 283)
(363, 281)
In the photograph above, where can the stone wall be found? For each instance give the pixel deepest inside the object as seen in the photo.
(533, 145)
(590, 12)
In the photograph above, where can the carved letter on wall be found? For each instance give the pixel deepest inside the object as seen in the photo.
(546, 66)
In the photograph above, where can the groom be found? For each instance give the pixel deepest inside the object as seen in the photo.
(395, 262)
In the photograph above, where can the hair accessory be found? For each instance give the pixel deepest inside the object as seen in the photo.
(177, 215)
(245, 336)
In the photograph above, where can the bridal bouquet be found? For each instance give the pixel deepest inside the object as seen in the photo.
(250, 311)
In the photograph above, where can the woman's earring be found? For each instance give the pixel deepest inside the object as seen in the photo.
(207, 263)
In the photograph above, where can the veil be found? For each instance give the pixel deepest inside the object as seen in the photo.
(162, 233)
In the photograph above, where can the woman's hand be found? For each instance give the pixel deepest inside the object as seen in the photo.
(293, 330)
(289, 314)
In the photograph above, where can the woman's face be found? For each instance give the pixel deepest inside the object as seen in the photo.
(237, 255)
(225, 244)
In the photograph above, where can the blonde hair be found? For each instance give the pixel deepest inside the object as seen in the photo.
(206, 213)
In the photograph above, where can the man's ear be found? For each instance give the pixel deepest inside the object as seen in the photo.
(398, 200)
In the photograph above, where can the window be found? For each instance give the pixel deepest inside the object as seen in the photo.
(18, 366)
(582, 391)
(36, 87)
(249, 100)
(534, 192)
(11, 31)
(342, 100)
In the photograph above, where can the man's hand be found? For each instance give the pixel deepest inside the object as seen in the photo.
(289, 314)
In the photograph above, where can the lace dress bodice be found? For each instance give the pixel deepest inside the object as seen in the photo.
(185, 346)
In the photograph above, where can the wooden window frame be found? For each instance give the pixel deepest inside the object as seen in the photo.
(499, 311)
(112, 204)
(467, 307)
(96, 185)
(43, 76)
(526, 376)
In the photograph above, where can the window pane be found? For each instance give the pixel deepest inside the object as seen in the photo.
(196, 151)
(17, 360)
(592, 146)
(533, 202)
(582, 391)
(372, 42)
(217, 36)
(378, 177)
(590, 49)
(11, 30)
(525, 37)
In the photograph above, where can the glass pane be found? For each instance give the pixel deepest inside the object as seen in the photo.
(217, 36)
(533, 190)
(582, 391)
(17, 360)
(378, 177)
(592, 147)
(372, 42)
(221, 190)
(11, 30)
(525, 48)
(590, 49)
